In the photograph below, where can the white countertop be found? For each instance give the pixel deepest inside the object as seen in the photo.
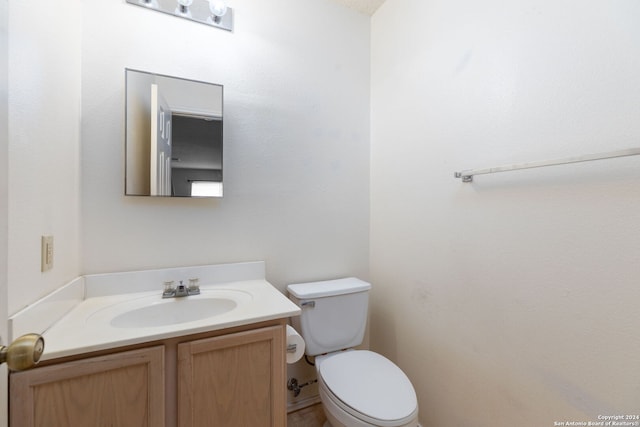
(87, 328)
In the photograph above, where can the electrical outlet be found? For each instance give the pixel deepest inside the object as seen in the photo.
(47, 253)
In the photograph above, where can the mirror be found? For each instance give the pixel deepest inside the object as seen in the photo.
(173, 145)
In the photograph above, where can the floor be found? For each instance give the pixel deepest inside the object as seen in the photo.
(312, 416)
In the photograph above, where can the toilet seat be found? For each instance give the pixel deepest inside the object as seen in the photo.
(369, 387)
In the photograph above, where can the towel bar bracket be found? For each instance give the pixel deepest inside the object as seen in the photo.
(465, 178)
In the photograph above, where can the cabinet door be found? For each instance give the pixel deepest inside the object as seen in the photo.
(234, 380)
(124, 389)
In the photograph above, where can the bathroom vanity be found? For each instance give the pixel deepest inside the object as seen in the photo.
(227, 369)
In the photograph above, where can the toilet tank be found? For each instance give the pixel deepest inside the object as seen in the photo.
(333, 313)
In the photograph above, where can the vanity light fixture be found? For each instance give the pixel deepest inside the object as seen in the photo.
(214, 13)
(149, 4)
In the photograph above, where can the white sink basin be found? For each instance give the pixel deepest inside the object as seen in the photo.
(173, 311)
(119, 319)
(152, 311)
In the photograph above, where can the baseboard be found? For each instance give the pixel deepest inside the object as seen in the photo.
(304, 403)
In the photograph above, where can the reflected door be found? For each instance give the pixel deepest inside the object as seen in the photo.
(160, 144)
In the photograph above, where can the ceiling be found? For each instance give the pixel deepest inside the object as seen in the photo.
(367, 7)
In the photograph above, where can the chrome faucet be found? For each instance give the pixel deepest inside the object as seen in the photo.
(181, 290)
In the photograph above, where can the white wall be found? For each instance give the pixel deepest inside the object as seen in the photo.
(44, 146)
(39, 153)
(296, 132)
(512, 300)
(296, 140)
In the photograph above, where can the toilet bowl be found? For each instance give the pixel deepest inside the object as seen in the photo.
(358, 388)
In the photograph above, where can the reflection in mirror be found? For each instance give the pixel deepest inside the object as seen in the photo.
(173, 136)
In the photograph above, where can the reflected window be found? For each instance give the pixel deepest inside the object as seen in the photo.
(206, 189)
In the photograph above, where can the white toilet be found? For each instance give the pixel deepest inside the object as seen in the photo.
(358, 388)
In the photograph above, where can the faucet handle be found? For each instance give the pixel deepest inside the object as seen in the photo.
(169, 289)
(194, 287)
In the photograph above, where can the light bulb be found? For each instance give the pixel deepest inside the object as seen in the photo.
(218, 8)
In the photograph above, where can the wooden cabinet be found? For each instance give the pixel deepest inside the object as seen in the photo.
(230, 378)
(124, 389)
(233, 380)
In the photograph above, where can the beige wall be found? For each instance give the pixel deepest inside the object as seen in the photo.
(512, 300)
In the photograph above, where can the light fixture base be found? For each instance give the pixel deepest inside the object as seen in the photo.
(197, 12)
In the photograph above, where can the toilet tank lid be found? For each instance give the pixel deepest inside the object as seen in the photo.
(328, 288)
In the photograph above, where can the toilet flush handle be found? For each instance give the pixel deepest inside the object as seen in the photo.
(310, 304)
